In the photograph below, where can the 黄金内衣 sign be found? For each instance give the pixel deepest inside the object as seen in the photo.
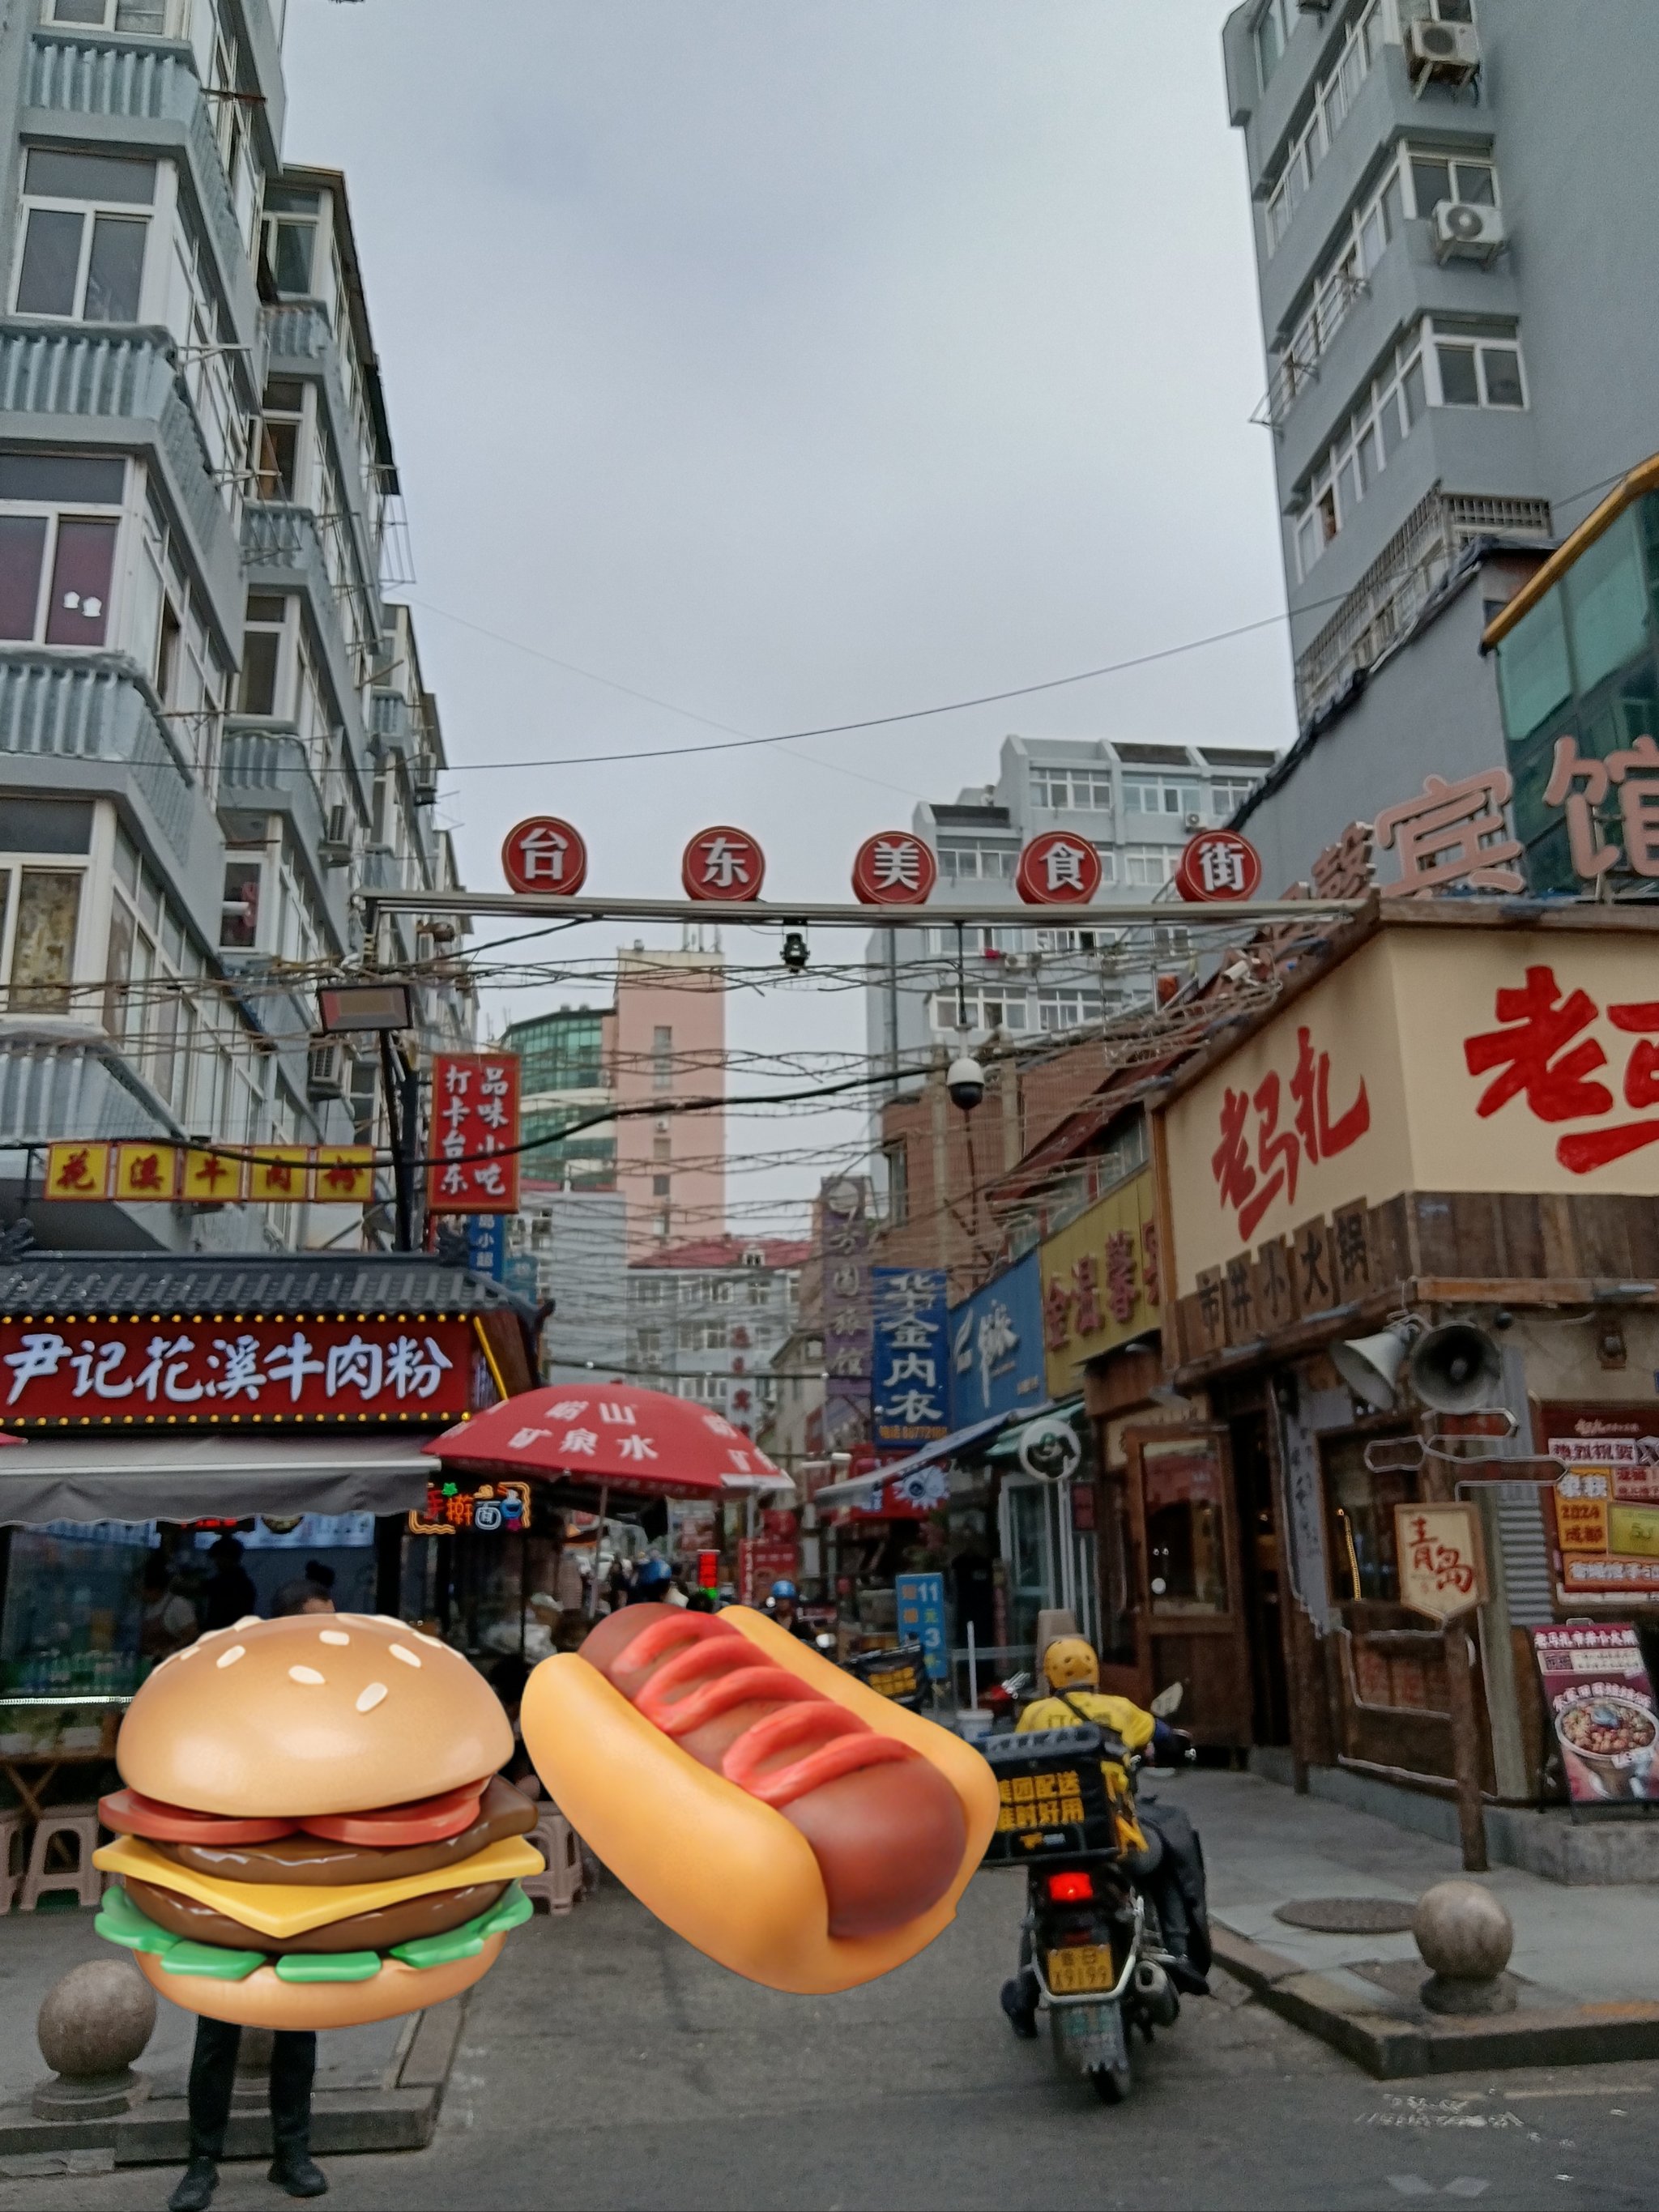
(475, 1133)
(909, 1380)
(1442, 1567)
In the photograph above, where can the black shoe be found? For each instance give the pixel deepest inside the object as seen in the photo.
(196, 2187)
(1187, 1979)
(298, 2172)
(1022, 2017)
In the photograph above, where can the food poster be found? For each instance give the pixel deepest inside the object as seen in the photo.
(1601, 1706)
(1605, 1501)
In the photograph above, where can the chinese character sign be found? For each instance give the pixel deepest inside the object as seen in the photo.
(909, 1390)
(544, 854)
(493, 1509)
(1099, 1281)
(920, 1601)
(844, 1233)
(1601, 1708)
(474, 1133)
(893, 868)
(1058, 869)
(996, 1347)
(1218, 863)
(1604, 1501)
(1442, 1567)
(723, 864)
(221, 1370)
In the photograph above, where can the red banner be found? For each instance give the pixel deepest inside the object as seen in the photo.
(474, 1116)
(222, 1370)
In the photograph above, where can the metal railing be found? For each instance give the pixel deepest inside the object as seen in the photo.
(1297, 367)
(1394, 590)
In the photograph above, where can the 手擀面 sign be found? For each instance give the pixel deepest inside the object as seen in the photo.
(909, 1383)
(475, 1133)
(224, 1370)
(996, 1347)
(492, 1508)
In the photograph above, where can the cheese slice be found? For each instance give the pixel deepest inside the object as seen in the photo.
(282, 1909)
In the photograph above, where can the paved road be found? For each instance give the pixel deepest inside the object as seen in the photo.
(603, 2064)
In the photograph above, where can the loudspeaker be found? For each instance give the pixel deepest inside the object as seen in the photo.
(1370, 1365)
(1456, 1368)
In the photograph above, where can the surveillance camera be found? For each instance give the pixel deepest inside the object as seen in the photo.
(965, 1081)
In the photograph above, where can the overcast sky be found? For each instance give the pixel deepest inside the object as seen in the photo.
(795, 361)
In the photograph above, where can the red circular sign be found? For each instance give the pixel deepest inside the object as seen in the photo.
(544, 854)
(1218, 863)
(893, 868)
(1058, 868)
(723, 864)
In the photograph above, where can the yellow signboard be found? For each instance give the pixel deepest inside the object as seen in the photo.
(1437, 1057)
(1100, 1281)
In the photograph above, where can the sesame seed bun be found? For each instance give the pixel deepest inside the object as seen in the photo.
(322, 1712)
(264, 1999)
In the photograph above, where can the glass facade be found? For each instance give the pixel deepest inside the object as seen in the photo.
(560, 1052)
(1583, 666)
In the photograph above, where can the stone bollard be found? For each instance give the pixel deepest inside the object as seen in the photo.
(1466, 1936)
(92, 2025)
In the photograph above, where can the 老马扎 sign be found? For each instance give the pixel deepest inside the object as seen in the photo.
(1601, 1706)
(222, 1370)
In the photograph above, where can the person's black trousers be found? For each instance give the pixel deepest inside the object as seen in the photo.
(213, 2076)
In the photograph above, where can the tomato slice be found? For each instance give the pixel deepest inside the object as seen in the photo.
(131, 1814)
(425, 1820)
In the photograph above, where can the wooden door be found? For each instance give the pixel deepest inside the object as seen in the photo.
(1192, 1624)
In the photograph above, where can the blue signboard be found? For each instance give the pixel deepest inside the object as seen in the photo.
(909, 1377)
(996, 1348)
(486, 1243)
(922, 1618)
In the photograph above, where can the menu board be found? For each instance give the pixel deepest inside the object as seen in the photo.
(1605, 1501)
(1602, 1708)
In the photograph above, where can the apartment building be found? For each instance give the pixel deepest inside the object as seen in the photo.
(1036, 977)
(706, 1319)
(1453, 270)
(212, 724)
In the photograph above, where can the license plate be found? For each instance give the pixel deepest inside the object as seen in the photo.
(1081, 1966)
(1089, 2035)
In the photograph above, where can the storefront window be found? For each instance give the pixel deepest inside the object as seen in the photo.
(1186, 1546)
(1360, 1520)
(72, 1609)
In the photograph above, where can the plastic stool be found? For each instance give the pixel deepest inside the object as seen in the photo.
(561, 1885)
(11, 1835)
(81, 1822)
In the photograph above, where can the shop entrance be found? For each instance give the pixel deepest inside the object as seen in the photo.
(1048, 1559)
(1262, 1579)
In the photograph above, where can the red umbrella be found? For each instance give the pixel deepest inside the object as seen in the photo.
(6, 1437)
(642, 1442)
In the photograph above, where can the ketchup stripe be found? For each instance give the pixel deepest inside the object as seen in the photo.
(741, 1687)
(848, 1755)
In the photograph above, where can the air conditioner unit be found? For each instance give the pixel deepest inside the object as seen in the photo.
(426, 786)
(328, 1071)
(1441, 53)
(1465, 231)
(1192, 821)
(335, 848)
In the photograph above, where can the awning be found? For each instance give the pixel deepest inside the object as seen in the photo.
(778, 1488)
(195, 1477)
(1068, 1411)
(853, 1486)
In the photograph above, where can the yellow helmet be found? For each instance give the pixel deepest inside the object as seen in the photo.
(1070, 1663)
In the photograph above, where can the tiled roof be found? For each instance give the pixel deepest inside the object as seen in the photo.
(728, 1251)
(307, 1282)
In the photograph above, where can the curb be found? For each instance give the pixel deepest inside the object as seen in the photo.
(1390, 2048)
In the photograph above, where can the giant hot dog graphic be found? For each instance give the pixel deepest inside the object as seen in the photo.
(780, 1816)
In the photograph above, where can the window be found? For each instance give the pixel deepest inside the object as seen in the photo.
(280, 432)
(662, 1057)
(1186, 1539)
(55, 569)
(1607, 604)
(290, 241)
(1480, 366)
(1360, 1520)
(1273, 33)
(1061, 790)
(1149, 867)
(171, 636)
(83, 250)
(141, 18)
(1437, 178)
(897, 1158)
(1151, 795)
(1333, 98)
(239, 918)
(1227, 793)
(964, 859)
(1067, 1010)
(660, 1186)
(1393, 404)
(1374, 223)
(986, 1008)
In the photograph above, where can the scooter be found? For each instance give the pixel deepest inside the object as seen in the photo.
(1092, 1952)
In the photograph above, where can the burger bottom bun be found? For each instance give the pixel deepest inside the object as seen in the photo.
(265, 2001)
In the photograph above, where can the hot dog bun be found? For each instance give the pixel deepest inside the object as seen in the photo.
(727, 1871)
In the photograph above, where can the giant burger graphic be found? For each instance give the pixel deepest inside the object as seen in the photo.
(312, 1833)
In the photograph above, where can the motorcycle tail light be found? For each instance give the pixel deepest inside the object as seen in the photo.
(1071, 1888)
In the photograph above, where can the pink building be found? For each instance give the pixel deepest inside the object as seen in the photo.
(665, 1041)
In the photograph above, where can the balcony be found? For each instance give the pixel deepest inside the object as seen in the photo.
(1298, 365)
(87, 75)
(92, 710)
(1394, 590)
(264, 768)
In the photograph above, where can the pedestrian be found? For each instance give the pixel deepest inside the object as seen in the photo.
(169, 1618)
(323, 1576)
(293, 2054)
(230, 1595)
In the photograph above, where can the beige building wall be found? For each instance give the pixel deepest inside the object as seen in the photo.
(667, 1040)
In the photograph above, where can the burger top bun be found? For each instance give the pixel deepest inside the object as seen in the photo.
(324, 1712)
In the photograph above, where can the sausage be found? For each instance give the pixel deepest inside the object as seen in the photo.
(887, 1830)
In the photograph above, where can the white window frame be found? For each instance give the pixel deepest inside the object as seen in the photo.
(1498, 335)
(1150, 866)
(171, 17)
(55, 515)
(1454, 160)
(157, 215)
(1055, 790)
(1333, 96)
(1340, 482)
